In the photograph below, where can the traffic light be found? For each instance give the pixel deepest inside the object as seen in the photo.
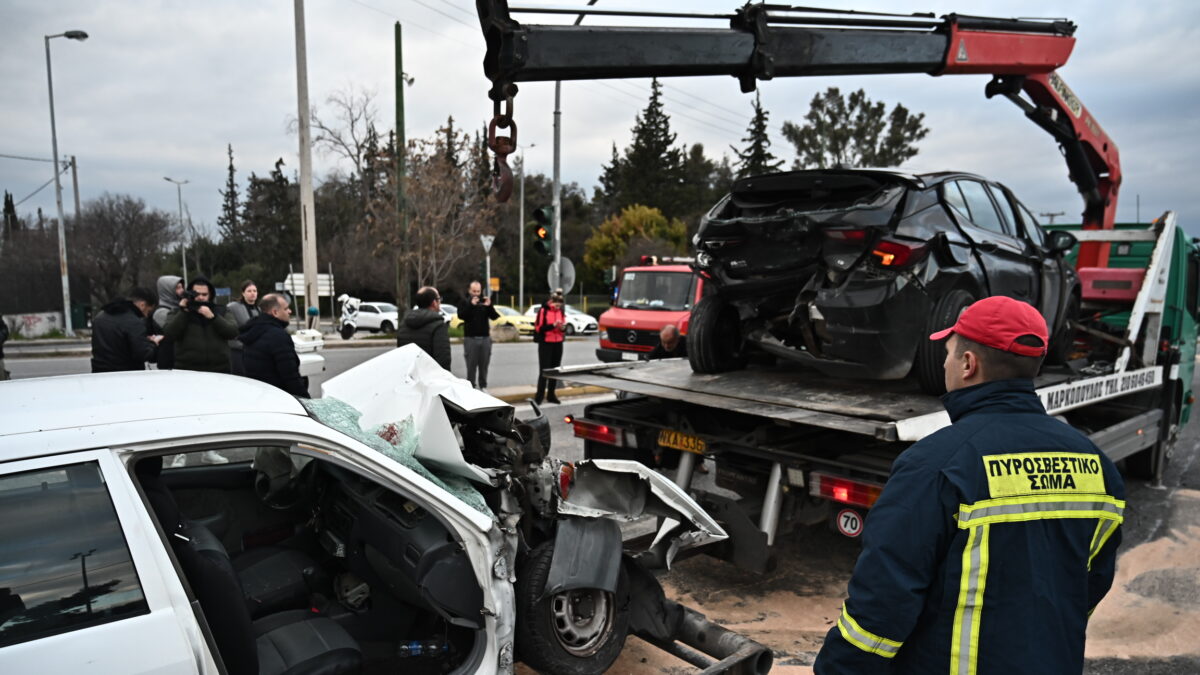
(543, 230)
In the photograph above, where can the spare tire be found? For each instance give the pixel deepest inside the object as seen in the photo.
(714, 340)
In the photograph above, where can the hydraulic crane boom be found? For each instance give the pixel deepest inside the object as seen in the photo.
(767, 41)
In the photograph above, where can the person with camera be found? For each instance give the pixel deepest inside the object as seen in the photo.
(200, 330)
(269, 354)
(477, 318)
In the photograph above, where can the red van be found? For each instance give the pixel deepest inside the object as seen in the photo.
(657, 292)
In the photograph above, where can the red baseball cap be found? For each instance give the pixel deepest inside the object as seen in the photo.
(997, 322)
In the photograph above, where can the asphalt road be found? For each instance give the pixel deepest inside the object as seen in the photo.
(513, 363)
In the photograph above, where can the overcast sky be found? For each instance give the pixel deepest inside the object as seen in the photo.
(162, 86)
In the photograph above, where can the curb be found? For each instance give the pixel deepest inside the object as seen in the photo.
(516, 397)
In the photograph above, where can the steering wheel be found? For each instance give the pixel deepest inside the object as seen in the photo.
(277, 483)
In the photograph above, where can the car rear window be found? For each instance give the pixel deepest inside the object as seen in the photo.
(1006, 210)
(64, 563)
(983, 212)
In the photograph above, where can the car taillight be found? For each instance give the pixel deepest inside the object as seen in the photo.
(595, 431)
(844, 490)
(890, 253)
(566, 476)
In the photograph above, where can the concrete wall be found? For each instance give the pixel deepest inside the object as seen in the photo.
(34, 325)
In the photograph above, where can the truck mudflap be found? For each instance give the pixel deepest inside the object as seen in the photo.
(626, 490)
(687, 634)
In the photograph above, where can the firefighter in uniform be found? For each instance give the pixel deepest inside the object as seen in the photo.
(995, 537)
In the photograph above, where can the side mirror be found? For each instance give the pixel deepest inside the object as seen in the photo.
(1060, 241)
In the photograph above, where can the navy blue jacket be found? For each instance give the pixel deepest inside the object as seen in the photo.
(991, 544)
(269, 355)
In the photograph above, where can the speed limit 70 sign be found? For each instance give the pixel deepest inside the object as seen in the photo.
(849, 522)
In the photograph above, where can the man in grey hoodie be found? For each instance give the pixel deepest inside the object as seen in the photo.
(425, 327)
(170, 288)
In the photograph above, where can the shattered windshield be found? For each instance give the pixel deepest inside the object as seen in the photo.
(667, 291)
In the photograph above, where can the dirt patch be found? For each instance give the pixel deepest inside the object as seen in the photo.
(1153, 609)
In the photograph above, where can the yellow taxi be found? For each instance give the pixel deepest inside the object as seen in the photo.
(508, 317)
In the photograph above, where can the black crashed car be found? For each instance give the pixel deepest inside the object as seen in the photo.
(850, 270)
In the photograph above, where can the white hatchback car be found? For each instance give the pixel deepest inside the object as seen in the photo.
(578, 321)
(319, 542)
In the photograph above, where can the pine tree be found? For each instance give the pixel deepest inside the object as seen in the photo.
(854, 131)
(228, 222)
(757, 158)
(271, 221)
(11, 222)
(651, 170)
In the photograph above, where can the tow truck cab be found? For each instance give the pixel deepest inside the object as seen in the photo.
(653, 294)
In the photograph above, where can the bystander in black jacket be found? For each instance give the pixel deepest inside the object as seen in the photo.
(426, 329)
(119, 340)
(477, 318)
(269, 355)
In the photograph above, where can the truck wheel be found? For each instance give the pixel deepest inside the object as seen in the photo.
(576, 632)
(347, 331)
(715, 337)
(386, 327)
(1063, 340)
(931, 356)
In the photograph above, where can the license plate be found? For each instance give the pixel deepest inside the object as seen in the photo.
(681, 441)
(629, 356)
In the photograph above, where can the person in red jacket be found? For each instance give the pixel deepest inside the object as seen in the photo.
(548, 333)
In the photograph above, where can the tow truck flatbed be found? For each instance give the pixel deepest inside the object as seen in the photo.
(792, 394)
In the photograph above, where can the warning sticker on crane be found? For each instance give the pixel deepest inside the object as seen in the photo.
(1068, 97)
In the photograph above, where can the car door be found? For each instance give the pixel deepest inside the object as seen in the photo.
(1000, 252)
(368, 317)
(1052, 269)
(85, 585)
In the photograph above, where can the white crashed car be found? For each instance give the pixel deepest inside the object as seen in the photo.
(183, 522)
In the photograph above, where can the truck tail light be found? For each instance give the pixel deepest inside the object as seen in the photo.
(595, 431)
(844, 490)
(891, 253)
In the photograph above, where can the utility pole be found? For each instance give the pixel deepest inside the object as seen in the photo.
(307, 219)
(75, 185)
(1052, 216)
(556, 195)
(402, 298)
(183, 230)
(521, 239)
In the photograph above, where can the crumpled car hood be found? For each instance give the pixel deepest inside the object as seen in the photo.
(407, 382)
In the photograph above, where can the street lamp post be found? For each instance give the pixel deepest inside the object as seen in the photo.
(182, 229)
(62, 231)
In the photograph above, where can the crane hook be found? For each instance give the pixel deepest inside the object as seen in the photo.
(502, 147)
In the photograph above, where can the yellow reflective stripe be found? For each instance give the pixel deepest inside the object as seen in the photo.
(864, 639)
(1019, 509)
(964, 645)
(1104, 530)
